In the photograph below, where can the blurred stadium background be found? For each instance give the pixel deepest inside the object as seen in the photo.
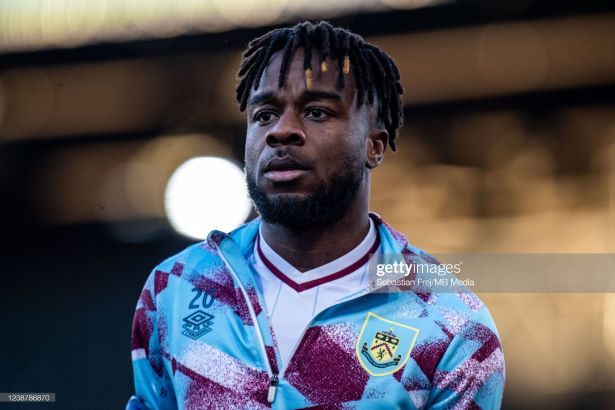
(509, 147)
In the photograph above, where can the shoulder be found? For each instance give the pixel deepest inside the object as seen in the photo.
(199, 265)
(446, 301)
(178, 266)
(189, 258)
(201, 256)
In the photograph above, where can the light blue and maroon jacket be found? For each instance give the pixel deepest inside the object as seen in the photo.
(201, 339)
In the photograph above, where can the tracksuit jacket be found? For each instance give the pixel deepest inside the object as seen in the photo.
(201, 339)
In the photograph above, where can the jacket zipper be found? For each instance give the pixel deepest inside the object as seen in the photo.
(273, 377)
(298, 342)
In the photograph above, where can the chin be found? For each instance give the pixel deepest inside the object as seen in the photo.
(292, 190)
(288, 195)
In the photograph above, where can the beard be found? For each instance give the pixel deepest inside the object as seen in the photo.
(326, 204)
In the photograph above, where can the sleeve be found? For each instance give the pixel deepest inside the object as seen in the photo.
(153, 386)
(471, 373)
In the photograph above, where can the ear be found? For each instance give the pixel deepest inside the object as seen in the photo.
(376, 144)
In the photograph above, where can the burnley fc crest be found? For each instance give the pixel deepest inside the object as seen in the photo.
(384, 346)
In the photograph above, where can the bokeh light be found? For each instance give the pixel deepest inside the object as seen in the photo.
(206, 193)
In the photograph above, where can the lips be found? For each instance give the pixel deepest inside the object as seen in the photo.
(285, 169)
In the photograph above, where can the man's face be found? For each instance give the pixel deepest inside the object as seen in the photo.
(305, 147)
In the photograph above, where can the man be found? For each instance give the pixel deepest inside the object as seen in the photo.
(278, 313)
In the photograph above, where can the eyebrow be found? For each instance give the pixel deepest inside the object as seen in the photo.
(307, 96)
(258, 99)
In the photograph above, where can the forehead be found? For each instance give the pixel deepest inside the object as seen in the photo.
(296, 83)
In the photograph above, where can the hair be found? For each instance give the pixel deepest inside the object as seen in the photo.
(376, 75)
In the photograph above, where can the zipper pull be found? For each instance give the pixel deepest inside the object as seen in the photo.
(273, 386)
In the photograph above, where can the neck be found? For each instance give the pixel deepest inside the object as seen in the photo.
(309, 247)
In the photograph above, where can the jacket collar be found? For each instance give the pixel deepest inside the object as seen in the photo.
(244, 236)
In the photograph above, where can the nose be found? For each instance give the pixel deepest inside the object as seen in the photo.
(287, 130)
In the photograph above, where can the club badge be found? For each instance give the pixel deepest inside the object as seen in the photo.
(384, 346)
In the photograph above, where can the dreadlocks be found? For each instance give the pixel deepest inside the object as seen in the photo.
(375, 73)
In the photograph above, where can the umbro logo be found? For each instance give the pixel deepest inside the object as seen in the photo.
(197, 324)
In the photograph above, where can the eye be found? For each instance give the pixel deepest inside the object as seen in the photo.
(317, 113)
(265, 117)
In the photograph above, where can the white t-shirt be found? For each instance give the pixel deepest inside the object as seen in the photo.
(293, 298)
